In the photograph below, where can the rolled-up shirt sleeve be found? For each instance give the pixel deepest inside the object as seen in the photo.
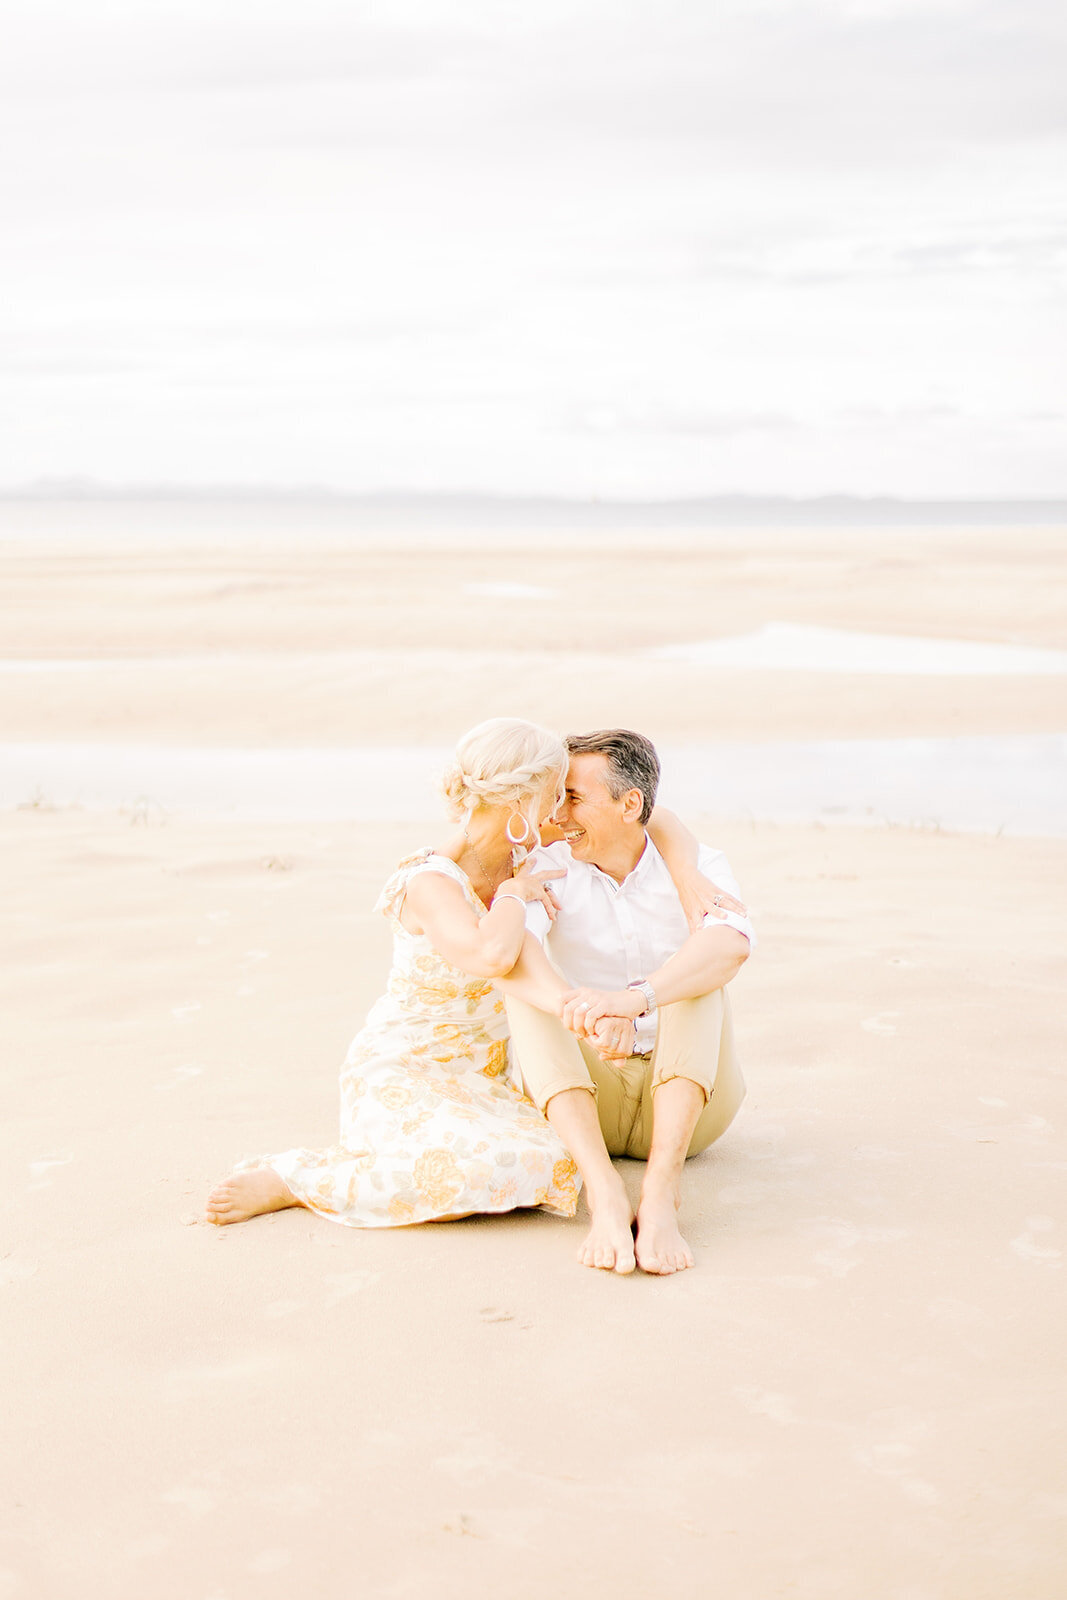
(714, 865)
(548, 858)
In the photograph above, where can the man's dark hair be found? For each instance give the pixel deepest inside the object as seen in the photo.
(632, 762)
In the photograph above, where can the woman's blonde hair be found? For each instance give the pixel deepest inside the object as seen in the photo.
(503, 762)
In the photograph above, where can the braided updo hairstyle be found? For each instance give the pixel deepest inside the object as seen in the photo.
(503, 762)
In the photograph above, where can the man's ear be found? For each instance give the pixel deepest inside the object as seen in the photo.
(633, 803)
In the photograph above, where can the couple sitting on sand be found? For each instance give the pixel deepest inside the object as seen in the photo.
(628, 1053)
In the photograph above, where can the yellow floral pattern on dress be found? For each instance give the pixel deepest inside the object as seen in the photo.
(433, 1123)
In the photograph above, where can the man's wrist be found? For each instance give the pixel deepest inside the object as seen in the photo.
(642, 987)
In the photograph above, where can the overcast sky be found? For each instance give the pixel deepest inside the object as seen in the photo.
(569, 247)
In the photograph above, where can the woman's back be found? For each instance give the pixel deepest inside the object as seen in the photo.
(433, 1124)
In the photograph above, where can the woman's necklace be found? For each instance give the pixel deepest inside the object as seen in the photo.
(481, 864)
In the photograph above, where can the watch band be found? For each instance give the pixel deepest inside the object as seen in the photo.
(648, 992)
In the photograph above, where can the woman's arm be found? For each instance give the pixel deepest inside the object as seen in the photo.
(681, 852)
(534, 979)
(488, 946)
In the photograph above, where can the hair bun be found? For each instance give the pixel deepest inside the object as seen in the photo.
(501, 762)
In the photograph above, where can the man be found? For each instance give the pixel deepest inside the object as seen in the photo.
(630, 1051)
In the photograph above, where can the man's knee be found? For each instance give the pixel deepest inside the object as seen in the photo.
(688, 1041)
(695, 1041)
(545, 1054)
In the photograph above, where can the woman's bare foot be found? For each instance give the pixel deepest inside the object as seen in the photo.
(660, 1246)
(248, 1194)
(609, 1244)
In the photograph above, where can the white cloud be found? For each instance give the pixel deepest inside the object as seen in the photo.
(796, 247)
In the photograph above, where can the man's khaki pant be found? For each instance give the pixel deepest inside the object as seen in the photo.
(694, 1039)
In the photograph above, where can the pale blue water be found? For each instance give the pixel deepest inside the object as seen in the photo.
(1014, 785)
(793, 647)
(776, 647)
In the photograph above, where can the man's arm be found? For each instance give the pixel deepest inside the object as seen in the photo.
(707, 960)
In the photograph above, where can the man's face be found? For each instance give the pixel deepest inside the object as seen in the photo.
(590, 819)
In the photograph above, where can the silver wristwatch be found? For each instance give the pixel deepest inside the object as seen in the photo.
(648, 992)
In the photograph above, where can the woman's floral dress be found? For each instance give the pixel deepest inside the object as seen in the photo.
(432, 1123)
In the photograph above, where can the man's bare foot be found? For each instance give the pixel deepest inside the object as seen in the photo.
(248, 1194)
(609, 1244)
(660, 1246)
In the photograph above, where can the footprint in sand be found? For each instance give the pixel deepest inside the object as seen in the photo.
(895, 1453)
(893, 1461)
(1027, 1247)
(181, 1075)
(343, 1285)
(16, 1269)
(40, 1168)
(842, 1252)
(766, 1403)
(462, 1526)
(750, 1192)
(197, 1500)
(269, 1561)
(957, 1313)
(295, 1497)
(282, 1308)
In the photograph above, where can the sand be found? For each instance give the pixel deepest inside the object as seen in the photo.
(858, 1391)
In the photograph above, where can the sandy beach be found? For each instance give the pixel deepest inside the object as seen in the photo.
(858, 1391)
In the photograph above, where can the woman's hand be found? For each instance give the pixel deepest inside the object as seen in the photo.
(532, 886)
(582, 1009)
(701, 898)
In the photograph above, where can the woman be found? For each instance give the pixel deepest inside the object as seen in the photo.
(433, 1126)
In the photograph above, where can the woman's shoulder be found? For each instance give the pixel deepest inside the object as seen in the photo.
(420, 861)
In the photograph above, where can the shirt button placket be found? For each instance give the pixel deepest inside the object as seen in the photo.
(630, 940)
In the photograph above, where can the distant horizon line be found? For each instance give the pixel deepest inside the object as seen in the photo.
(746, 507)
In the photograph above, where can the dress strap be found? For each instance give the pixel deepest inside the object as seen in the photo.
(393, 891)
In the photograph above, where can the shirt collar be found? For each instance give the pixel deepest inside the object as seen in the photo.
(645, 864)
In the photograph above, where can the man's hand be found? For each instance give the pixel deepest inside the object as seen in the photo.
(582, 1009)
(614, 1038)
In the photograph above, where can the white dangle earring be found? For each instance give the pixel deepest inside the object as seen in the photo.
(517, 839)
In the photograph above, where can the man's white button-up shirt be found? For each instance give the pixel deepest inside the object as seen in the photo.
(609, 934)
